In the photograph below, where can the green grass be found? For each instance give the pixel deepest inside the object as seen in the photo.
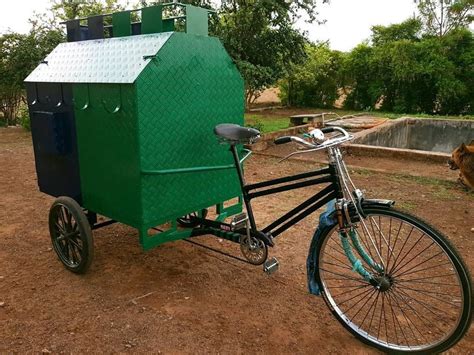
(423, 180)
(443, 189)
(276, 119)
(407, 206)
(270, 123)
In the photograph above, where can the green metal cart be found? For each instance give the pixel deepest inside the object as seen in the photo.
(143, 99)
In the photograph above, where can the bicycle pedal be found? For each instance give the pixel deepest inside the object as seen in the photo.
(239, 221)
(271, 266)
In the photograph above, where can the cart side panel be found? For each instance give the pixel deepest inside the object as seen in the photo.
(54, 138)
(189, 88)
(108, 150)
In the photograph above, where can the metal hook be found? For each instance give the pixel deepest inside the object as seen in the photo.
(118, 107)
(35, 101)
(86, 105)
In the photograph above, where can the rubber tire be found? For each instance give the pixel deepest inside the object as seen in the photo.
(84, 230)
(461, 268)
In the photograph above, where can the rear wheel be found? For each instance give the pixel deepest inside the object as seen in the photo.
(423, 303)
(71, 235)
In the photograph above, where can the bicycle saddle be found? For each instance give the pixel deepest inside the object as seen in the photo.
(234, 134)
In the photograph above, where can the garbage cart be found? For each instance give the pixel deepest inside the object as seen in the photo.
(122, 118)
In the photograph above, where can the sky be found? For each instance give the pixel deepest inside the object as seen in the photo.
(348, 22)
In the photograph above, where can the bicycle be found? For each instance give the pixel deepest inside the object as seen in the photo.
(391, 279)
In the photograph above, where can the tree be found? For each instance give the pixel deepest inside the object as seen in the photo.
(413, 74)
(19, 55)
(315, 82)
(441, 16)
(71, 9)
(408, 29)
(260, 37)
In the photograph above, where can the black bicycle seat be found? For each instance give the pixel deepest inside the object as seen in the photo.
(233, 133)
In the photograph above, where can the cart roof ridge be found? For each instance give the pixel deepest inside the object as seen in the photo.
(112, 60)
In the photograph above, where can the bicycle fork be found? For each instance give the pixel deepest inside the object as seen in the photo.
(348, 234)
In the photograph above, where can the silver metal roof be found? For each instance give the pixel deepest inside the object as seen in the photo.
(111, 60)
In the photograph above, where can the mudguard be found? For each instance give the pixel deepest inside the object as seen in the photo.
(327, 220)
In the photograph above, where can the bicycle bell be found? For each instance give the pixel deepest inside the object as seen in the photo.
(317, 135)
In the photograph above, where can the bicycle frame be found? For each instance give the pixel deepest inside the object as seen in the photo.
(328, 175)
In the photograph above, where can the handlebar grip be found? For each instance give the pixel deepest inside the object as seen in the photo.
(282, 140)
(327, 129)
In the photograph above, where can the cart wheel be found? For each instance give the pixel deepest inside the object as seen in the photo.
(187, 220)
(71, 235)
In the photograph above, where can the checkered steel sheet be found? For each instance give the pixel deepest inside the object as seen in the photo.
(111, 60)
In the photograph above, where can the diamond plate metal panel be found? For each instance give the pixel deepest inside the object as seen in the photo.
(165, 121)
(109, 151)
(111, 60)
(192, 86)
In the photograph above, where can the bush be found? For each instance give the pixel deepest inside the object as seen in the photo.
(257, 124)
(413, 75)
(315, 82)
(24, 117)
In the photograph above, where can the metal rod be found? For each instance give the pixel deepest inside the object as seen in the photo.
(103, 224)
(297, 185)
(303, 214)
(301, 207)
(287, 179)
(215, 250)
(186, 170)
(240, 174)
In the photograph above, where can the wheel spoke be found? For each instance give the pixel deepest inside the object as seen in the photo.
(351, 298)
(76, 244)
(421, 297)
(424, 261)
(345, 276)
(363, 305)
(412, 270)
(397, 267)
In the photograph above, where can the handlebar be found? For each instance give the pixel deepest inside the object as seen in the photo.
(282, 140)
(318, 140)
(329, 129)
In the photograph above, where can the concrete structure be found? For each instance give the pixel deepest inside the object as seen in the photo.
(432, 135)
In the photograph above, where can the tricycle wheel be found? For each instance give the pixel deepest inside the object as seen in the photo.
(188, 221)
(71, 234)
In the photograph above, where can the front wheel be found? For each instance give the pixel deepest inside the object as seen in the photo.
(424, 304)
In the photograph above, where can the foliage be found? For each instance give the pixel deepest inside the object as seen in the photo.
(257, 124)
(412, 73)
(315, 82)
(260, 37)
(409, 30)
(23, 116)
(20, 53)
(441, 16)
(70, 9)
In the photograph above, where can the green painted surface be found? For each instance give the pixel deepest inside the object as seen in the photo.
(121, 22)
(196, 20)
(198, 88)
(162, 123)
(109, 151)
(152, 19)
(168, 25)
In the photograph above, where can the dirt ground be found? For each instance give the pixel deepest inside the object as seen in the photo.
(179, 298)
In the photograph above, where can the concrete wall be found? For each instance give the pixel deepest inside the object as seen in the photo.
(420, 134)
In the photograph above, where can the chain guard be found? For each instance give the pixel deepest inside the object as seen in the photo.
(253, 249)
